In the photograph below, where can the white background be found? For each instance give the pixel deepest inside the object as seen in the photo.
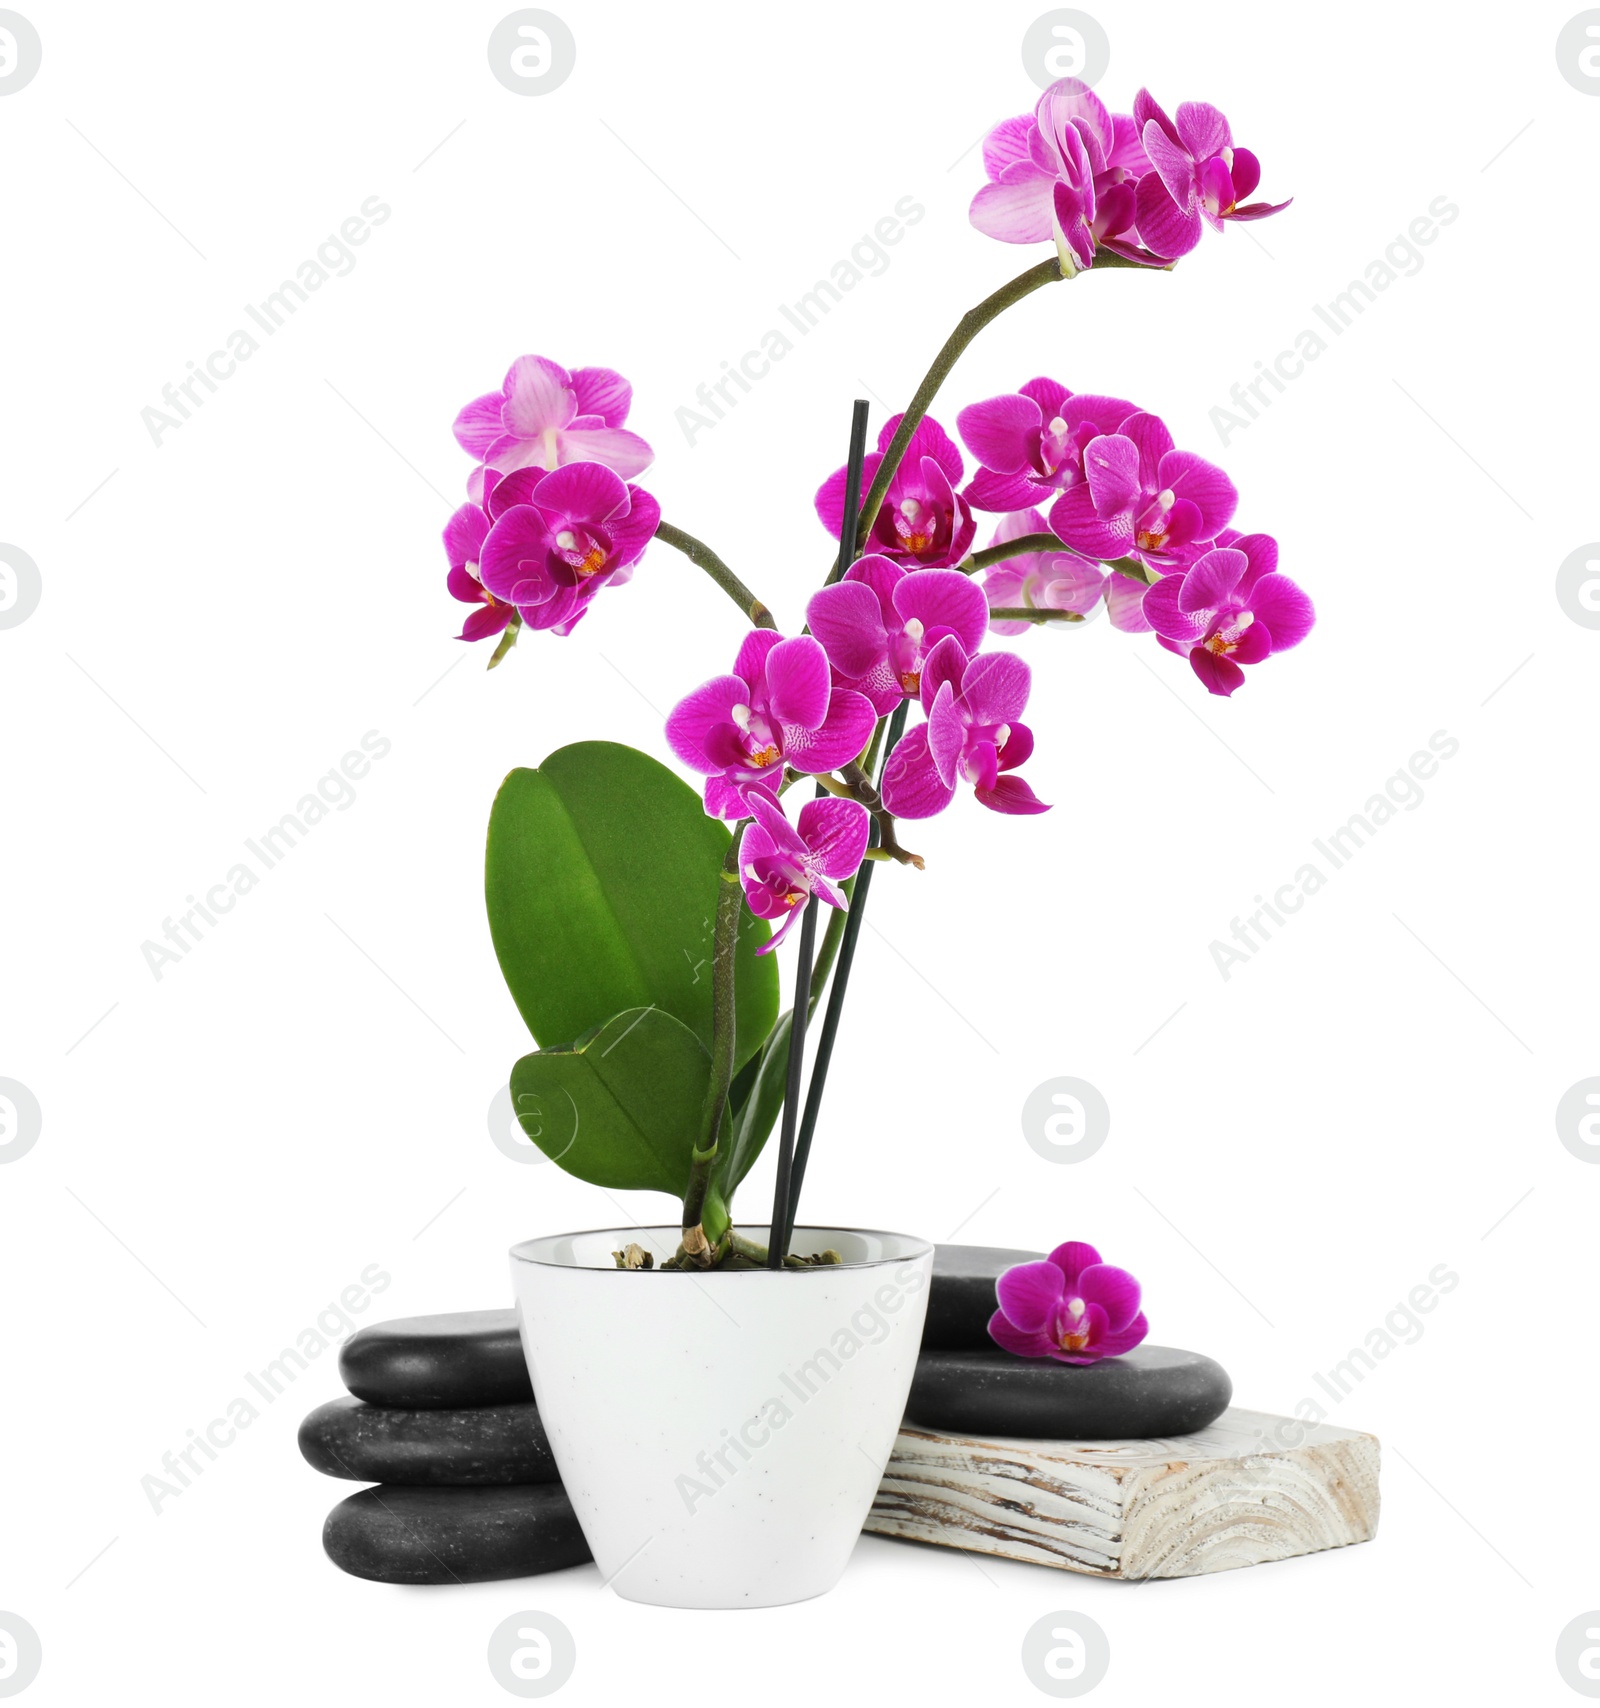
(1292, 1149)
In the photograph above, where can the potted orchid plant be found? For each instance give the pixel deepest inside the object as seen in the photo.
(633, 915)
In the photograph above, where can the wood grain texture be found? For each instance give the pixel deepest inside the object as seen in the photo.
(1233, 1494)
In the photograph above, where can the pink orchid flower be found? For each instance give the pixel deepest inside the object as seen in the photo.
(1066, 173)
(1198, 176)
(1044, 581)
(777, 707)
(782, 867)
(922, 521)
(464, 535)
(1030, 444)
(881, 621)
(1229, 608)
(1070, 1307)
(1142, 498)
(558, 537)
(543, 416)
(972, 735)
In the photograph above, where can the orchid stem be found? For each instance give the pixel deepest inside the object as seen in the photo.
(1024, 545)
(723, 1027)
(783, 1192)
(967, 328)
(890, 846)
(1032, 614)
(860, 784)
(800, 1013)
(700, 554)
(508, 639)
(830, 1021)
(853, 784)
(823, 965)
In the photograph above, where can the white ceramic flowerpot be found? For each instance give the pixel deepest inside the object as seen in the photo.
(721, 1435)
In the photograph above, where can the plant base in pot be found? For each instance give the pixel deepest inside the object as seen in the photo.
(721, 1434)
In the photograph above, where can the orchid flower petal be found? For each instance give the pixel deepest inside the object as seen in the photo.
(1030, 1294)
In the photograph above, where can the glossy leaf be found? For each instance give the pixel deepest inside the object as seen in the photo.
(601, 877)
(624, 1110)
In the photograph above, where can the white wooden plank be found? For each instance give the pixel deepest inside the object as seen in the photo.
(1227, 1496)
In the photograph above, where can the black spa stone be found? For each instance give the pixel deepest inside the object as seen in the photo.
(961, 1296)
(428, 1449)
(1150, 1392)
(457, 1359)
(394, 1534)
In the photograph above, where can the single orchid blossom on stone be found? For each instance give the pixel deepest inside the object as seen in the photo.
(778, 707)
(1199, 178)
(973, 735)
(1044, 581)
(543, 417)
(558, 537)
(1067, 173)
(922, 522)
(1143, 498)
(782, 867)
(879, 623)
(1029, 444)
(1070, 1307)
(1229, 608)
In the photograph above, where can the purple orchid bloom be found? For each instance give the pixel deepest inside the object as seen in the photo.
(1229, 608)
(1198, 176)
(1070, 1307)
(881, 621)
(1066, 172)
(544, 417)
(1140, 497)
(1030, 444)
(1046, 581)
(922, 521)
(778, 707)
(781, 867)
(972, 734)
(464, 535)
(558, 537)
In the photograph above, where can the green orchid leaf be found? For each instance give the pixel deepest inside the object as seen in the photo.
(602, 876)
(624, 1109)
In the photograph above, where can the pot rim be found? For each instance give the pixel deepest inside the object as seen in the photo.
(920, 1248)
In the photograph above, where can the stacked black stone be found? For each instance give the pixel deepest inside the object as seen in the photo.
(441, 1417)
